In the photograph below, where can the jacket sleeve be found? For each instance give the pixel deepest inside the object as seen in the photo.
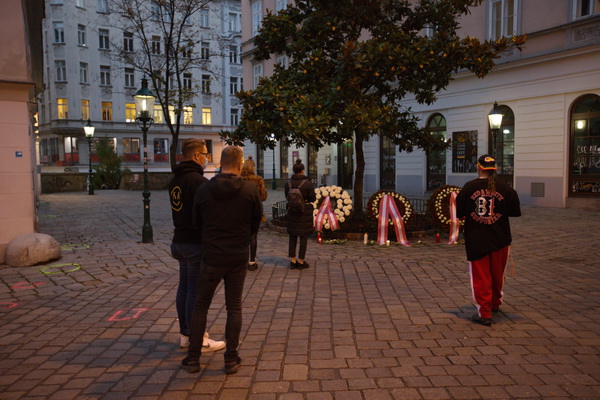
(311, 196)
(197, 212)
(257, 212)
(514, 206)
(461, 206)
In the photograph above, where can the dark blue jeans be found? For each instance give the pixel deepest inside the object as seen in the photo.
(189, 256)
(208, 280)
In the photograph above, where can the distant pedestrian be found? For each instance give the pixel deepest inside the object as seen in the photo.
(249, 175)
(300, 225)
(486, 203)
(228, 211)
(186, 245)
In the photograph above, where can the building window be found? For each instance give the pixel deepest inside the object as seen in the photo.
(188, 115)
(503, 18)
(103, 6)
(233, 85)
(81, 35)
(127, 41)
(584, 166)
(71, 150)
(155, 45)
(131, 149)
(206, 116)
(204, 51)
(436, 160)
(158, 114)
(56, 2)
(129, 77)
(187, 81)
(61, 70)
(503, 146)
(80, 3)
(106, 111)
(257, 73)
(234, 22)
(235, 116)
(387, 164)
(62, 108)
(59, 32)
(280, 5)
(104, 39)
(83, 73)
(187, 51)
(85, 110)
(129, 112)
(161, 150)
(256, 16)
(283, 61)
(204, 18)
(584, 8)
(206, 84)
(49, 150)
(234, 55)
(104, 75)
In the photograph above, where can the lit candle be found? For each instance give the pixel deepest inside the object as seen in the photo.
(387, 243)
(366, 238)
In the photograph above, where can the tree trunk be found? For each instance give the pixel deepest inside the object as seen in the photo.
(173, 149)
(359, 175)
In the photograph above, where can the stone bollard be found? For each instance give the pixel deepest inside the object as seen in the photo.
(30, 249)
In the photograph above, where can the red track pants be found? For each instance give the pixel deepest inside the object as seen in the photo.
(487, 280)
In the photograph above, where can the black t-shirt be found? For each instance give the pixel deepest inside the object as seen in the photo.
(486, 215)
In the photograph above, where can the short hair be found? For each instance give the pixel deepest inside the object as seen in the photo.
(231, 156)
(298, 167)
(191, 146)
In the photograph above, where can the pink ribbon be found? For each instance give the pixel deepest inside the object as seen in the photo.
(387, 208)
(324, 210)
(454, 222)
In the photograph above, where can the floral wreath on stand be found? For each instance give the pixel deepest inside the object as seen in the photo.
(438, 206)
(403, 204)
(341, 203)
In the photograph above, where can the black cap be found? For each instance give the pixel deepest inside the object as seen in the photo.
(487, 162)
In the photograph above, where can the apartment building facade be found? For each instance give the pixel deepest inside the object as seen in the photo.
(84, 79)
(548, 145)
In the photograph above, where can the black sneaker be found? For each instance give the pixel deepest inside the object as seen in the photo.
(191, 364)
(303, 265)
(293, 265)
(231, 367)
(483, 321)
(252, 266)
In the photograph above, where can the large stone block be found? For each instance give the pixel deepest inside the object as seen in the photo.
(30, 249)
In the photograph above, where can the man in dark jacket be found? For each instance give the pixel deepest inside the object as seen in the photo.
(228, 211)
(186, 246)
(486, 204)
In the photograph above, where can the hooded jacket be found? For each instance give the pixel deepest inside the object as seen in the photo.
(189, 175)
(227, 211)
(301, 224)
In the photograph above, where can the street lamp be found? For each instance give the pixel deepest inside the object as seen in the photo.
(495, 120)
(144, 107)
(274, 185)
(89, 134)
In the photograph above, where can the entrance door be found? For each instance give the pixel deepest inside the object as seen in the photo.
(345, 164)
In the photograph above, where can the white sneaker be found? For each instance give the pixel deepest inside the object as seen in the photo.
(184, 341)
(209, 345)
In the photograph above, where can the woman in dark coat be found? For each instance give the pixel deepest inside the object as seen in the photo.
(300, 225)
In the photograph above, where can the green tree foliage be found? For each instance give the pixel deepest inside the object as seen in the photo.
(107, 173)
(351, 64)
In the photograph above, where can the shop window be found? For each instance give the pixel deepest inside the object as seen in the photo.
(504, 151)
(161, 150)
(131, 149)
(436, 160)
(584, 168)
(71, 150)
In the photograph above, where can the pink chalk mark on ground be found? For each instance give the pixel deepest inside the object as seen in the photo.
(27, 285)
(138, 312)
(8, 305)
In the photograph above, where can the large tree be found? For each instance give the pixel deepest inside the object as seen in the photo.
(351, 64)
(168, 61)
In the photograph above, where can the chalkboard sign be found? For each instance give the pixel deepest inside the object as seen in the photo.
(464, 151)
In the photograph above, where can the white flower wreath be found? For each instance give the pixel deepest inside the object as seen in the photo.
(341, 203)
(402, 202)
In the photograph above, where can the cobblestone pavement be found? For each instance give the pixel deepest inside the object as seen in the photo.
(364, 322)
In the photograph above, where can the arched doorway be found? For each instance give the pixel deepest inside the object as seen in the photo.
(436, 160)
(505, 146)
(584, 154)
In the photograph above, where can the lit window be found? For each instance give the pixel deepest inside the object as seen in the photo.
(85, 110)
(127, 41)
(83, 73)
(63, 108)
(104, 39)
(129, 112)
(256, 16)
(61, 70)
(81, 35)
(235, 117)
(584, 8)
(206, 84)
(106, 111)
(129, 77)
(104, 75)
(206, 116)
(188, 117)
(158, 114)
(155, 45)
(59, 32)
(172, 114)
(204, 51)
(503, 14)
(204, 18)
(258, 73)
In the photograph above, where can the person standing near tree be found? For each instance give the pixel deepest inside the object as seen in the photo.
(186, 245)
(486, 203)
(249, 175)
(227, 211)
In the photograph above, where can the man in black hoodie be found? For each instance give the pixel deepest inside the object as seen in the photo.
(227, 210)
(186, 246)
